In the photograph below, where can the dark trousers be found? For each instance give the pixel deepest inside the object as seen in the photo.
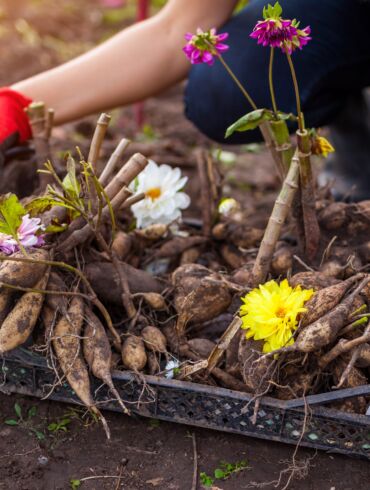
(332, 68)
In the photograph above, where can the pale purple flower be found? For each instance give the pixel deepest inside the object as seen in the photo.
(203, 47)
(28, 235)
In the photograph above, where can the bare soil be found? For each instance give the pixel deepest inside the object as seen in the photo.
(146, 454)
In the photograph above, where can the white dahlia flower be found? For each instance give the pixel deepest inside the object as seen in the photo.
(171, 368)
(164, 200)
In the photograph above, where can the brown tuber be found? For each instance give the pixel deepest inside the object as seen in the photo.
(154, 339)
(133, 353)
(200, 295)
(98, 354)
(24, 274)
(21, 320)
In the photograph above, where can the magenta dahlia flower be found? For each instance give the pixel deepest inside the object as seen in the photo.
(28, 236)
(299, 40)
(274, 32)
(203, 47)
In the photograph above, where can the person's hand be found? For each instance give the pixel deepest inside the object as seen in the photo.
(14, 125)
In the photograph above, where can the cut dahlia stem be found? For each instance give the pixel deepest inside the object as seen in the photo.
(223, 343)
(310, 223)
(84, 232)
(210, 189)
(127, 174)
(283, 144)
(278, 216)
(49, 123)
(113, 161)
(41, 125)
(99, 134)
(117, 191)
(133, 200)
(270, 143)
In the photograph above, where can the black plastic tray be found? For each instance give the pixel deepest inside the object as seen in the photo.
(204, 406)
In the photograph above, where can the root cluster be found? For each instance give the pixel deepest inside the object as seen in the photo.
(99, 297)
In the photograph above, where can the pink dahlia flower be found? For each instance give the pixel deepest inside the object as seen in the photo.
(274, 32)
(202, 47)
(26, 235)
(299, 40)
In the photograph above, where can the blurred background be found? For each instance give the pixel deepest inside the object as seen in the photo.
(38, 34)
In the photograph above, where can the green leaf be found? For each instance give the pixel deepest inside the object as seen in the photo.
(75, 484)
(55, 227)
(272, 12)
(52, 427)
(40, 435)
(71, 184)
(283, 116)
(18, 410)
(206, 480)
(219, 474)
(39, 205)
(250, 121)
(11, 422)
(32, 412)
(11, 214)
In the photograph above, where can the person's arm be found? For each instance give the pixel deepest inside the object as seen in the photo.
(139, 62)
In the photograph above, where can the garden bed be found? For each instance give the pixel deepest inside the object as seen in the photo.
(205, 406)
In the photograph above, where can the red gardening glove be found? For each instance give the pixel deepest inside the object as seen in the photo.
(14, 124)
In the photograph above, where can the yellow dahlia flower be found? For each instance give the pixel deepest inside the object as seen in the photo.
(270, 313)
(321, 146)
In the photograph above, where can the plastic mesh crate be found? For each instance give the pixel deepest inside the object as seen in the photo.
(205, 406)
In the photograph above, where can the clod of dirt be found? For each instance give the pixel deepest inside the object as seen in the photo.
(201, 347)
(334, 216)
(105, 281)
(282, 261)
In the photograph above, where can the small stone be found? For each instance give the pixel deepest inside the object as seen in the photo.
(42, 460)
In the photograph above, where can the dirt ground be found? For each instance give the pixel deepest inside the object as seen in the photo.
(145, 454)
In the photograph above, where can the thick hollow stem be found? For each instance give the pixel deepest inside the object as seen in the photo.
(113, 161)
(276, 221)
(99, 134)
(310, 223)
(283, 144)
(41, 124)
